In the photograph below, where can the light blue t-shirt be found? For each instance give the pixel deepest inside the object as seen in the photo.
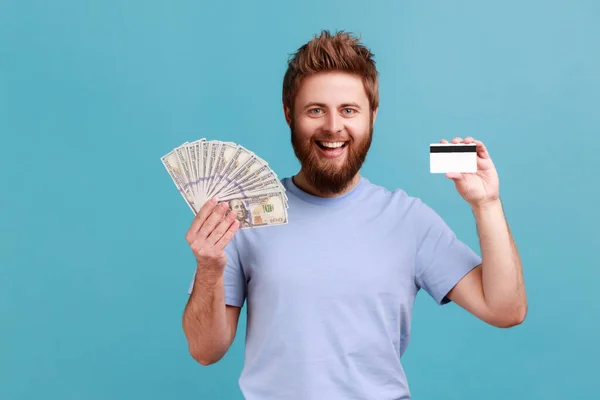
(330, 294)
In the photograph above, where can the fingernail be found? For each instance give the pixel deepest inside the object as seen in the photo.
(213, 200)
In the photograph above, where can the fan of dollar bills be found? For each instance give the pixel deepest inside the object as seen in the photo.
(211, 168)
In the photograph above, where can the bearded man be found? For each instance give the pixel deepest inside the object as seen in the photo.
(330, 294)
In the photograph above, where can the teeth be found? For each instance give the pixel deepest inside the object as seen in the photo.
(332, 145)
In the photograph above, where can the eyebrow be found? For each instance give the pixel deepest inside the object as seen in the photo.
(324, 105)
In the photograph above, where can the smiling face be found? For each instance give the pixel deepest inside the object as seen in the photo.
(332, 128)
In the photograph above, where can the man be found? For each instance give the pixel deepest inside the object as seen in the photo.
(242, 214)
(330, 294)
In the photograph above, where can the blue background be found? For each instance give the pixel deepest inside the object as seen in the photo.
(94, 265)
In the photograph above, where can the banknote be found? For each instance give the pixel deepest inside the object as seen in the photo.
(265, 209)
(171, 163)
(205, 168)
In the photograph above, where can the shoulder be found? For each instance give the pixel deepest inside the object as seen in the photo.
(398, 198)
(408, 209)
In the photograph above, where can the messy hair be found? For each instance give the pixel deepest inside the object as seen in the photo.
(324, 53)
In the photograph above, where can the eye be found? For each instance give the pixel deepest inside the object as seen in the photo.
(314, 110)
(348, 111)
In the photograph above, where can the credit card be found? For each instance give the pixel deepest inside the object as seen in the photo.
(450, 157)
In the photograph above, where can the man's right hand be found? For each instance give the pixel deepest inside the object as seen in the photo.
(208, 322)
(211, 230)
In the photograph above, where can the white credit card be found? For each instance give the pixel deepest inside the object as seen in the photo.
(450, 157)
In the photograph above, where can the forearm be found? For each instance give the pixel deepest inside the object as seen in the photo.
(502, 275)
(205, 319)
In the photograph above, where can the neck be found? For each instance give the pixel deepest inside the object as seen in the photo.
(303, 183)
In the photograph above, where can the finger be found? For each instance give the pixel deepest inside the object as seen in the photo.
(469, 139)
(456, 140)
(453, 175)
(213, 220)
(444, 141)
(199, 219)
(481, 149)
(221, 228)
(228, 235)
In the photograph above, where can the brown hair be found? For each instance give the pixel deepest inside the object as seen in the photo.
(326, 52)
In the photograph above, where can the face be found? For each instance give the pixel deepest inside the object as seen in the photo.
(332, 128)
(238, 207)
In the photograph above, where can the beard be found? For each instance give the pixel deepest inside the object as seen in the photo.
(328, 176)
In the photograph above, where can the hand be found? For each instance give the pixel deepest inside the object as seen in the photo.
(211, 230)
(481, 187)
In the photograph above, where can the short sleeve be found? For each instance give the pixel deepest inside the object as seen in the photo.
(234, 278)
(442, 259)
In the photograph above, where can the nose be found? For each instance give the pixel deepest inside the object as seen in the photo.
(333, 123)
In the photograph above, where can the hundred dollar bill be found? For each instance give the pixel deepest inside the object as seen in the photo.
(264, 182)
(171, 163)
(196, 148)
(183, 161)
(248, 167)
(205, 166)
(231, 162)
(213, 156)
(267, 209)
(263, 185)
(193, 162)
(257, 173)
(234, 170)
(224, 158)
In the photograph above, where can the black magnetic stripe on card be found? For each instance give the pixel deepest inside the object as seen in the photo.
(453, 149)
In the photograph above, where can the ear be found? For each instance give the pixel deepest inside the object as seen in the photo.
(288, 115)
(375, 115)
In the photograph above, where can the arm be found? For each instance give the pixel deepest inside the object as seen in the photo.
(494, 291)
(208, 323)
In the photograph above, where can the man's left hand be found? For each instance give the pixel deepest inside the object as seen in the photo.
(481, 187)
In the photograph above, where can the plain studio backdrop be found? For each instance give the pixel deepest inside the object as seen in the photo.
(94, 268)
